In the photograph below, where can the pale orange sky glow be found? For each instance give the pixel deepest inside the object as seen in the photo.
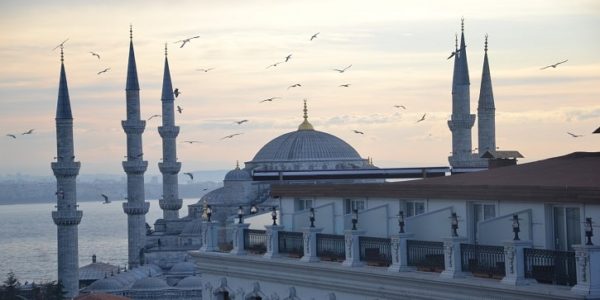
(397, 49)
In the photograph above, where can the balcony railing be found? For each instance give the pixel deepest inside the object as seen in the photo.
(255, 241)
(375, 250)
(331, 247)
(291, 243)
(483, 260)
(426, 255)
(550, 266)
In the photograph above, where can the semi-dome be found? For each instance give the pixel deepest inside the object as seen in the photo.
(149, 283)
(106, 284)
(237, 175)
(190, 282)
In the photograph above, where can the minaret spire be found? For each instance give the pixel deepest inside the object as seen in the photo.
(169, 167)
(486, 110)
(66, 216)
(136, 207)
(305, 124)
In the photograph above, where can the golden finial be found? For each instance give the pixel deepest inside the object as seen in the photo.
(166, 50)
(462, 24)
(305, 111)
(305, 124)
(456, 40)
(486, 42)
(130, 32)
(237, 164)
(62, 56)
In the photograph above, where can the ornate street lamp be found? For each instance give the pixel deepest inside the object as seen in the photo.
(208, 212)
(312, 217)
(354, 218)
(401, 221)
(240, 214)
(274, 215)
(516, 227)
(454, 223)
(589, 231)
(253, 209)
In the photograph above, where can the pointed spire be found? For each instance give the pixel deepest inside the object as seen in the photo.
(132, 78)
(486, 95)
(167, 88)
(461, 68)
(63, 105)
(305, 124)
(237, 164)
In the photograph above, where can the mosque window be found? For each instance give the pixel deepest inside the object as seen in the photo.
(414, 208)
(351, 204)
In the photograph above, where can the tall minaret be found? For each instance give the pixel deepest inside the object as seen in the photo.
(136, 207)
(486, 122)
(169, 167)
(462, 120)
(66, 217)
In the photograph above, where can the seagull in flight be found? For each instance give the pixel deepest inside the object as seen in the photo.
(400, 106)
(422, 118)
(288, 57)
(274, 65)
(344, 85)
(154, 116)
(191, 142)
(205, 70)
(359, 132)
(230, 136)
(241, 121)
(189, 174)
(12, 135)
(106, 201)
(453, 53)
(30, 131)
(179, 109)
(574, 135)
(294, 85)
(103, 71)
(555, 65)
(269, 99)
(60, 45)
(95, 54)
(185, 41)
(314, 36)
(343, 70)
(176, 92)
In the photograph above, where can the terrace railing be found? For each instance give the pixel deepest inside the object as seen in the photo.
(483, 260)
(375, 250)
(550, 266)
(255, 241)
(331, 247)
(291, 243)
(426, 255)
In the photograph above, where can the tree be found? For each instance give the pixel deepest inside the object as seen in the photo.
(54, 290)
(9, 288)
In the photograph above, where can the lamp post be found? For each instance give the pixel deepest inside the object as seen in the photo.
(274, 215)
(208, 212)
(312, 217)
(589, 231)
(240, 214)
(516, 227)
(401, 221)
(253, 209)
(354, 218)
(454, 223)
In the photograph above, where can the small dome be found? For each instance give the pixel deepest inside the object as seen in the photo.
(106, 284)
(190, 282)
(183, 267)
(237, 175)
(194, 227)
(149, 283)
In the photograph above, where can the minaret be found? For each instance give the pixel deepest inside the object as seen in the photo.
(486, 122)
(136, 207)
(66, 217)
(169, 167)
(462, 120)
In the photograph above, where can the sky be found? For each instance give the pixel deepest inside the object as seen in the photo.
(397, 50)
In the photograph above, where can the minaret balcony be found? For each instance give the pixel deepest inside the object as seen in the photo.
(133, 126)
(173, 204)
(72, 217)
(461, 123)
(168, 131)
(65, 168)
(169, 167)
(136, 208)
(135, 166)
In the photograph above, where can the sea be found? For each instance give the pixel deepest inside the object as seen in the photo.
(28, 237)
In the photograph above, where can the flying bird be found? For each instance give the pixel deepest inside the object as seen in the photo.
(192, 142)
(241, 121)
(185, 41)
(554, 65)
(274, 65)
(103, 71)
(154, 116)
(179, 109)
(344, 85)
(11, 135)
(139, 155)
(314, 36)
(400, 106)
(106, 201)
(294, 85)
(205, 70)
(343, 70)
(269, 99)
(230, 136)
(453, 53)
(176, 92)
(288, 57)
(574, 135)
(422, 118)
(60, 45)
(190, 174)
(30, 131)
(359, 132)
(95, 54)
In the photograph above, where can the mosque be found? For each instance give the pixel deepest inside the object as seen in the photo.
(158, 266)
